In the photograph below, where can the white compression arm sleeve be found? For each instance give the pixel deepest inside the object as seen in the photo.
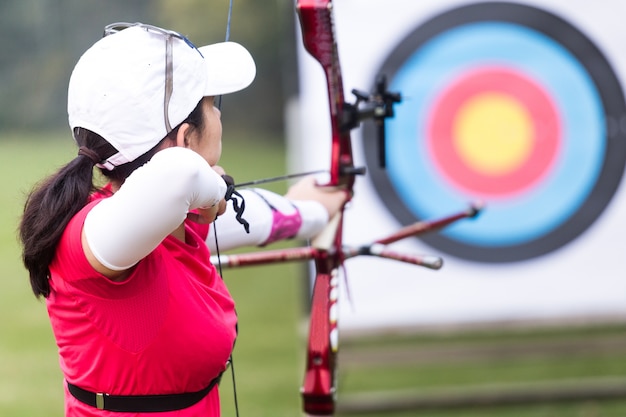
(258, 213)
(153, 201)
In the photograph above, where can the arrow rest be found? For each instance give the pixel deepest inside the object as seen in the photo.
(352, 171)
(378, 106)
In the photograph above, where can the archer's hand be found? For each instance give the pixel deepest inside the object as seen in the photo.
(208, 215)
(332, 198)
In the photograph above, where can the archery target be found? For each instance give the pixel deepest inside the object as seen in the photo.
(508, 104)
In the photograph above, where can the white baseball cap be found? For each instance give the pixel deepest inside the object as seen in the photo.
(121, 87)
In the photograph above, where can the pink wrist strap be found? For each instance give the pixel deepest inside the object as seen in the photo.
(284, 226)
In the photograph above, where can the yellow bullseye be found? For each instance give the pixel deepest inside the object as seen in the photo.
(493, 133)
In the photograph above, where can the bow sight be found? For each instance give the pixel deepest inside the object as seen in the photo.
(378, 106)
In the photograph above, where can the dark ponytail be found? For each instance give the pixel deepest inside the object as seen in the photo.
(52, 204)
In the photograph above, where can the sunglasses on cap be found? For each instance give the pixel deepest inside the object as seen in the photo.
(169, 35)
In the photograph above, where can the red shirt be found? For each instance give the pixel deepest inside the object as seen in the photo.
(168, 328)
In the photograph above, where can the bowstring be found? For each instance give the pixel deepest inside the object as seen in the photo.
(226, 39)
(217, 247)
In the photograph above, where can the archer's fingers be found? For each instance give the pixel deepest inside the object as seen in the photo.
(219, 169)
(207, 215)
(332, 198)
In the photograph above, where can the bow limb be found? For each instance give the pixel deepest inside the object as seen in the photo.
(319, 40)
(319, 387)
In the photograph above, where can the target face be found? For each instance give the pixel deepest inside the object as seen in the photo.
(510, 105)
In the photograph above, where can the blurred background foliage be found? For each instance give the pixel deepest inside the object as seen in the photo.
(41, 40)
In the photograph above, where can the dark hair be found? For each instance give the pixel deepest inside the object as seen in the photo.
(52, 203)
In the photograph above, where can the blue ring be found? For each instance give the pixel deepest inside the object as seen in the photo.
(580, 156)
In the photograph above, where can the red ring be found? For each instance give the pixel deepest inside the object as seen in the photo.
(546, 129)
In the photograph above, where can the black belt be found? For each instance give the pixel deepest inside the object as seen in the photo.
(140, 403)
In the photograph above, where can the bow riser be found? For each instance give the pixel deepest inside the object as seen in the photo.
(318, 36)
(319, 388)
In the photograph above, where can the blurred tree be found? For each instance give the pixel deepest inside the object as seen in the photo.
(262, 27)
(41, 40)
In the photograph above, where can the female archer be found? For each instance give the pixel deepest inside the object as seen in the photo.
(141, 318)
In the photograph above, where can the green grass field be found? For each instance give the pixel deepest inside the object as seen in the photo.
(269, 356)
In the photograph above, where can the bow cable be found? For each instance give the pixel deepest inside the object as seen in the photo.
(217, 248)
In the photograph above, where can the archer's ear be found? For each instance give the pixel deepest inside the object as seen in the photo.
(181, 135)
